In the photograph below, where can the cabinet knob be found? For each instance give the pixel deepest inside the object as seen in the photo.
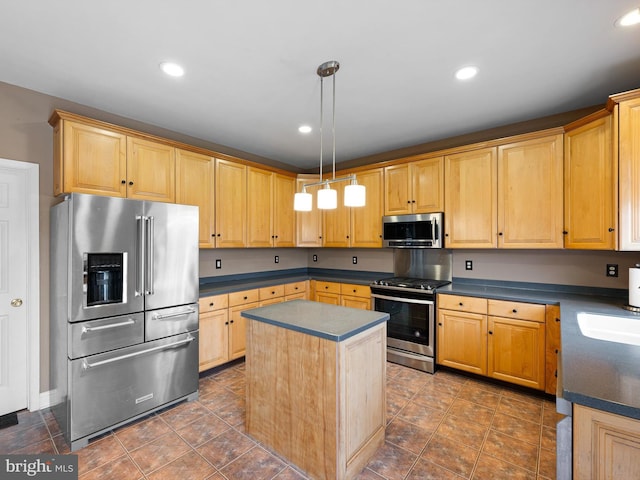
(499, 234)
(515, 311)
(564, 232)
(326, 286)
(556, 350)
(557, 319)
(230, 321)
(440, 324)
(347, 236)
(213, 234)
(226, 323)
(123, 182)
(354, 290)
(273, 293)
(460, 304)
(218, 235)
(490, 332)
(408, 201)
(211, 304)
(611, 229)
(413, 201)
(446, 234)
(244, 298)
(130, 183)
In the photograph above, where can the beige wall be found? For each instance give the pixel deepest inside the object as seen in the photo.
(250, 260)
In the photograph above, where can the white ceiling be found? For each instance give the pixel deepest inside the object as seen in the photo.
(251, 65)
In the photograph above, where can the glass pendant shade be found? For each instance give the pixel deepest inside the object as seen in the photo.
(354, 196)
(302, 202)
(327, 198)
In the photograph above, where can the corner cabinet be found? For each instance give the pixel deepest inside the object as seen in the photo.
(590, 185)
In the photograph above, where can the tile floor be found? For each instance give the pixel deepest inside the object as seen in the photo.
(442, 426)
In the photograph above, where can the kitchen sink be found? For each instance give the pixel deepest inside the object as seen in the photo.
(610, 328)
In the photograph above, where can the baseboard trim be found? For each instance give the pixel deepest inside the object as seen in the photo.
(45, 399)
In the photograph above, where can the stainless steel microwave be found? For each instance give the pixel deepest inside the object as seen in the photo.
(424, 230)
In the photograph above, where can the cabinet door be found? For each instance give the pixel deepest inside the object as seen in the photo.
(517, 351)
(355, 302)
(151, 171)
(605, 445)
(629, 162)
(309, 224)
(327, 297)
(552, 348)
(590, 196)
(397, 190)
(471, 199)
(336, 226)
(530, 194)
(94, 160)
(237, 330)
(194, 186)
(366, 222)
(427, 180)
(214, 338)
(231, 204)
(259, 209)
(284, 217)
(462, 341)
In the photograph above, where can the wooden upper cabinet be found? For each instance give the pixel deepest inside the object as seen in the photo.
(259, 208)
(471, 199)
(308, 224)
(336, 227)
(150, 170)
(590, 186)
(194, 186)
(416, 187)
(89, 159)
(284, 217)
(629, 162)
(530, 193)
(231, 204)
(366, 222)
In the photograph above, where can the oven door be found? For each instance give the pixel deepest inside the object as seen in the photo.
(411, 324)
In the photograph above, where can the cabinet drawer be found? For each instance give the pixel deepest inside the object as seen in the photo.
(463, 304)
(523, 311)
(296, 287)
(246, 296)
(327, 287)
(271, 292)
(215, 302)
(355, 290)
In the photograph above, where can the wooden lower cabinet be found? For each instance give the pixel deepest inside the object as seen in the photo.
(552, 348)
(344, 294)
(214, 331)
(605, 445)
(500, 339)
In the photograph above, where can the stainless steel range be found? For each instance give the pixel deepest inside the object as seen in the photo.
(410, 301)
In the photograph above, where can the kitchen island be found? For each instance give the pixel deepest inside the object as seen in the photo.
(316, 384)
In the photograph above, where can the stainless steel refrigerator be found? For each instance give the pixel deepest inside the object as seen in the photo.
(124, 311)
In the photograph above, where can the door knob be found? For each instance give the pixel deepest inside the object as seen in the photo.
(16, 302)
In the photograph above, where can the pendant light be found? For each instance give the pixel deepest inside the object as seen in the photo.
(327, 197)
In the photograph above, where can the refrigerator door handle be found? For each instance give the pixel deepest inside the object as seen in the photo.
(140, 260)
(149, 253)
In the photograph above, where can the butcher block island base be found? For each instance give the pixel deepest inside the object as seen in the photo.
(316, 384)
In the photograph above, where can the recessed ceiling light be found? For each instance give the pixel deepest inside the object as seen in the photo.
(304, 129)
(631, 18)
(172, 69)
(465, 73)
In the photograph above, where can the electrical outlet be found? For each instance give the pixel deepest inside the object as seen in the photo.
(218, 264)
(612, 269)
(354, 259)
(468, 264)
(277, 259)
(315, 258)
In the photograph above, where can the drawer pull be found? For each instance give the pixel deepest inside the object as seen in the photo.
(211, 304)
(515, 311)
(173, 315)
(86, 365)
(245, 298)
(460, 304)
(131, 321)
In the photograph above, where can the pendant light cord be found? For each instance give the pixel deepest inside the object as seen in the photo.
(333, 127)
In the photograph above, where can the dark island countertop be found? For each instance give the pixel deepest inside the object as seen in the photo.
(318, 319)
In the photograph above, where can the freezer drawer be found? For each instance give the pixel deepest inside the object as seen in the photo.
(171, 321)
(110, 388)
(98, 336)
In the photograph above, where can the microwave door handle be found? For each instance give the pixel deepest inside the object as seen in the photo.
(140, 263)
(149, 251)
(434, 229)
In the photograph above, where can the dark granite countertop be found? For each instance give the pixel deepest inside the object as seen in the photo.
(595, 373)
(318, 319)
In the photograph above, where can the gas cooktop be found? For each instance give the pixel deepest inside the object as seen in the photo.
(411, 283)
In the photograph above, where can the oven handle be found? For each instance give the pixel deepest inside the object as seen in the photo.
(403, 300)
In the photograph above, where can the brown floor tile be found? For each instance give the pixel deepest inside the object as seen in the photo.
(517, 428)
(511, 450)
(425, 470)
(391, 462)
(207, 386)
(479, 396)
(98, 453)
(29, 419)
(218, 400)
(190, 466)
(450, 376)
(523, 396)
(225, 448)
(159, 452)
(432, 396)
(290, 474)
(21, 436)
(122, 468)
(395, 403)
(239, 388)
(393, 369)
(203, 429)
(446, 384)
(411, 377)
(485, 385)
(183, 414)
(400, 388)
(491, 468)
(548, 439)
(233, 412)
(424, 417)
(42, 447)
(471, 412)
(460, 430)
(517, 408)
(228, 376)
(61, 445)
(547, 463)
(451, 455)
(256, 464)
(52, 424)
(407, 435)
(550, 417)
(139, 434)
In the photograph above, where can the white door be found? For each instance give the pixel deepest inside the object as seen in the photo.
(13, 290)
